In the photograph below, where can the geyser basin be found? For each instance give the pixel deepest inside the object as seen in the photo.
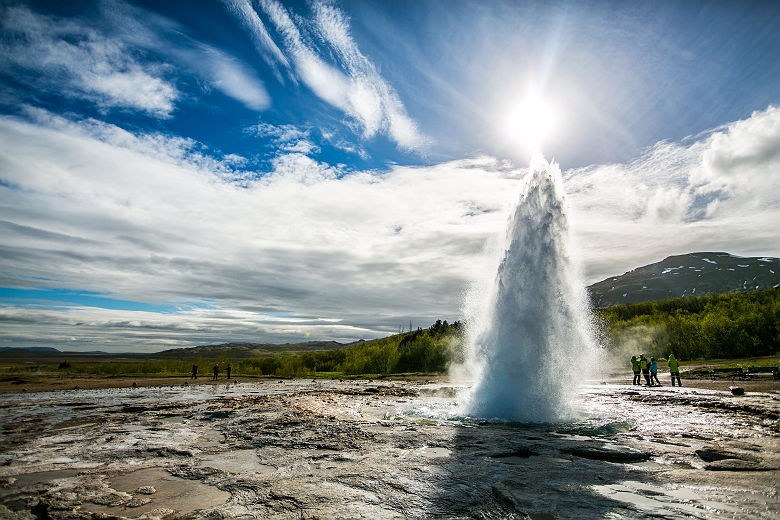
(327, 449)
(533, 342)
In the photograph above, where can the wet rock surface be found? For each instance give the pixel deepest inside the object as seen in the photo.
(330, 449)
(609, 453)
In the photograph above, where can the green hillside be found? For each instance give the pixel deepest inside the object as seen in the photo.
(245, 350)
(424, 350)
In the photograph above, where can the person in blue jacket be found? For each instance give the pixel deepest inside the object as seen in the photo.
(654, 373)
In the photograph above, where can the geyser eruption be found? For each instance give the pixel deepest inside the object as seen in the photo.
(533, 342)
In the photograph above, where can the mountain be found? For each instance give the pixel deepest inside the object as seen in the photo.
(692, 274)
(246, 350)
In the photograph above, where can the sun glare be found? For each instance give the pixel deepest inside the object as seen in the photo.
(530, 122)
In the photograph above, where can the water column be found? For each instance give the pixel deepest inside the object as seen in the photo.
(533, 343)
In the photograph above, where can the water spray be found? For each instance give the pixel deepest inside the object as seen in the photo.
(533, 342)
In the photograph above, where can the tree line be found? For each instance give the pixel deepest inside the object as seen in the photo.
(424, 350)
(722, 326)
(710, 327)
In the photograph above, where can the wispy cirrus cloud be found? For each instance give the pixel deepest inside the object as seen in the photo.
(262, 40)
(351, 84)
(228, 75)
(160, 36)
(83, 62)
(373, 99)
(124, 59)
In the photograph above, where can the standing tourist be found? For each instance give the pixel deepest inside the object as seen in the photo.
(644, 365)
(674, 369)
(654, 373)
(635, 368)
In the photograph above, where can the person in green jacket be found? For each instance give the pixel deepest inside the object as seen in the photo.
(635, 368)
(674, 369)
(644, 365)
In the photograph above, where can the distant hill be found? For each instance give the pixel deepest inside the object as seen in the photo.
(692, 274)
(246, 350)
(28, 349)
(236, 351)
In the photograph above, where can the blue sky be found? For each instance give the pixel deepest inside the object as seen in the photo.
(180, 173)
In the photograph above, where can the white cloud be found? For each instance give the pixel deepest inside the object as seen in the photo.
(714, 192)
(151, 218)
(668, 205)
(298, 168)
(283, 133)
(286, 138)
(343, 144)
(312, 248)
(231, 77)
(83, 61)
(744, 158)
(303, 146)
(115, 330)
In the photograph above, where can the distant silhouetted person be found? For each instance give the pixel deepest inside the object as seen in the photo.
(635, 368)
(194, 371)
(654, 372)
(644, 365)
(674, 369)
(216, 372)
(228, 371)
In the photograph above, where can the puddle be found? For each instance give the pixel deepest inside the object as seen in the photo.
(662, 501)
(181, 495)
(210, 439)
(434, 453)
(173, 419)
(238, 461)
(39, 477)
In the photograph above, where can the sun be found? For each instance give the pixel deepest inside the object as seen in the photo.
(529, 122)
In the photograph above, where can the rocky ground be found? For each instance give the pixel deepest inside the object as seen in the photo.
(361, 449)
